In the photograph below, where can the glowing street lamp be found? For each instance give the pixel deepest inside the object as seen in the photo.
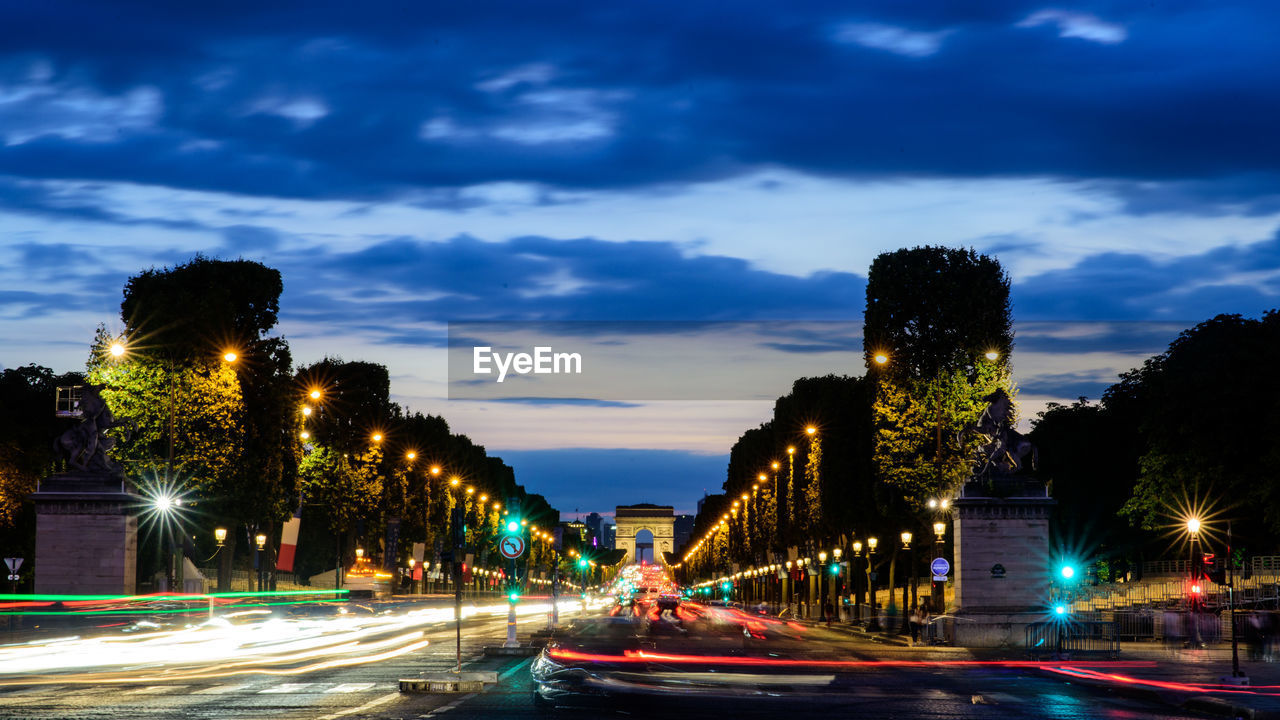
(230, 356)
(117, 349)
(880, 358)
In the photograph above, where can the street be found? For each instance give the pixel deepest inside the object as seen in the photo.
(872, 683)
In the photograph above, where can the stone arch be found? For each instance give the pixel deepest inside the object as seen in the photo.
(657, 519)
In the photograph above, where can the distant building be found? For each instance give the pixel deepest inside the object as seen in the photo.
(683, 530)
(595, 522)
(610, 536)
(576, 530)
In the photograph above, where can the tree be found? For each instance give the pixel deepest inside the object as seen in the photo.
(940, 320)
(1208, 412)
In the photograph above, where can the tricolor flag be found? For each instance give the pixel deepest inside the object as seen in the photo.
(289, 540)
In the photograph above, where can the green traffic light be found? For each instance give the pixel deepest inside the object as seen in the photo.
(513, 526)
(1068, 572)
(835, 569)
(582, 563)
(726, 587)
(513, 597)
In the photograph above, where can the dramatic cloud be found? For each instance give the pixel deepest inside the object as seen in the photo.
(350, 102)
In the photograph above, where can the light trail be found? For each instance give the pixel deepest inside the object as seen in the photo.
(243, 641)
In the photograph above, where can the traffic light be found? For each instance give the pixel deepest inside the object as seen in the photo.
(582, 563)
(513, 526)
(1214, 570)
(1067, 571)
(725, 587)
(1060, 610)
(513, 595)
(835, 568)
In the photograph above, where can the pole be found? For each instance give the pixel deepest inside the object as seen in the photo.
(1231, 598)
(511, 606)
(457, 605)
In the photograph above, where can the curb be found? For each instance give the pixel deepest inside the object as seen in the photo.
(519, 651)
(1218, 706)
(449, 683)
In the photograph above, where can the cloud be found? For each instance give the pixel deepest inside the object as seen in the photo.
(539, 278)
(1120, 286)
(1077, 25)
(344, 102)
(900, 41)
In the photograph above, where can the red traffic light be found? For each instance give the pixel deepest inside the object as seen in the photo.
(1195, 589)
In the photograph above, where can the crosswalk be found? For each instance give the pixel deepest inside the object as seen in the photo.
(24, 694)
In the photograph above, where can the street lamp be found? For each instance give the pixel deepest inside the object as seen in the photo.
(822, 595)
(220, 536)
(874, 624)
(262, 560)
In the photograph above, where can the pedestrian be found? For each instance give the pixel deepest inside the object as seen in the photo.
(914, 619)
(830, 611)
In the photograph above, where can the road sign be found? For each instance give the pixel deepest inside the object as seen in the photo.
(940, 566)
(939, 578)
(997, 571)
(511, 547)
(13, 577)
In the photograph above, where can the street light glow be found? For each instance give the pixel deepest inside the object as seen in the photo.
(164, 503)
(811, 430)
(117, 349)
(315, 394)
(992, 355)
(230, 357)
(880, 358)
(791, 450)
(1193, 526)
(411, 454)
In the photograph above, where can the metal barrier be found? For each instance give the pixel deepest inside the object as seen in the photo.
(1072, 637)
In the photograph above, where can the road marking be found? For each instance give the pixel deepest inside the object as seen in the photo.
(450, 706)
(513, 670)
(367, 706)
(350, 687)
(154, 689)
(220, 689)
(286, 688)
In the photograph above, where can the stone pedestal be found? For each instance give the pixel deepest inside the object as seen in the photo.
(86, 535)
(1002, 563)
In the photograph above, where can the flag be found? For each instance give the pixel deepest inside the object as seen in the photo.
(289, 540)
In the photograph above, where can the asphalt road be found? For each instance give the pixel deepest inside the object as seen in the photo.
(371, 691)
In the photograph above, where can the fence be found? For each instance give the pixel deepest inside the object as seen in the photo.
(1072, 637)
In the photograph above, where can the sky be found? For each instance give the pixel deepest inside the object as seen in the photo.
(409, 165)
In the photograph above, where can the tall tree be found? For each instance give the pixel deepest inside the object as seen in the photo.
(937, 338)
(1208, 413)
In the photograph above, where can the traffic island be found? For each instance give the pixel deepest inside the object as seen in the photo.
(450, 682)
(504, 651)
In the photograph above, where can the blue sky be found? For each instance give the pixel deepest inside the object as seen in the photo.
(410, 165)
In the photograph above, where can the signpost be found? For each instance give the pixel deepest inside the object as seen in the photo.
(940, 568)
(14, 564)
(511, 547)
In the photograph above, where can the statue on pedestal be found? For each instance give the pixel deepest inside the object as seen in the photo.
(85, 446)
(1004, 451)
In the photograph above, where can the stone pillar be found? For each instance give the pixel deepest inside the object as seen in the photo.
(86, 535)
(1002, 565)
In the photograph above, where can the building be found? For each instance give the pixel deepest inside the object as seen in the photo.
(684, 531)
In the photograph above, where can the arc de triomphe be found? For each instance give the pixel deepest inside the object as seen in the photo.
(657, 519)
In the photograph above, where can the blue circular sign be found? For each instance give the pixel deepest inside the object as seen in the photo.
(940, 566)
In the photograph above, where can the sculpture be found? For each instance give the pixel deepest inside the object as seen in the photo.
(1004, 449)
(85, 446)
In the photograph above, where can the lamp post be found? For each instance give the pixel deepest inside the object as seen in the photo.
(937, 592)
(853, 580)
(261, 540)
(1193, 615)
(874, 624)
(822, 595)
(906, 545)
